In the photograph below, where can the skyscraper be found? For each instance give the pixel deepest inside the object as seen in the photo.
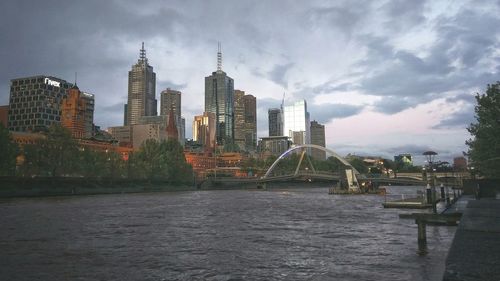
(170, 100)
(318, 138)
(245, 121)
(296, 123)
(275, 122)
(219, 100)
(141, 90)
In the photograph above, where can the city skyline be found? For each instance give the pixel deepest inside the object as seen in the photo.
(384, 77)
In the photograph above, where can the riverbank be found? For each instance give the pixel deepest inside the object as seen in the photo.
(11, 187)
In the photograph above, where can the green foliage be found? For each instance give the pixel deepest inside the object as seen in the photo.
(484, 147)
(162, 160)
(56, 155)
(8, 151)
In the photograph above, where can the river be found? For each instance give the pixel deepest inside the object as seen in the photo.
(286, 234)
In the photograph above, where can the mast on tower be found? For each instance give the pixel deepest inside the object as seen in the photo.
(219, 58)
(142, 55)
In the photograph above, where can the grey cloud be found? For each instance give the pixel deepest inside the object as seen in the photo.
(342, 17)
(164, 84)
(404, 14)
(278, 74)
(460, 119)
(323, 113)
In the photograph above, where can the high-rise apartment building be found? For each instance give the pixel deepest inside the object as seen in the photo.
(141, 90)
(275, 122)
(204, 130)
(296, 123)
(318, 138)
(35, 102)
(219, 100)
(245, 121)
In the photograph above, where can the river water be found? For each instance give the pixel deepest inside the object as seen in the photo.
(286, 234)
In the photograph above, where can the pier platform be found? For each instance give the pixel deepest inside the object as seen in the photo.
(475, 251)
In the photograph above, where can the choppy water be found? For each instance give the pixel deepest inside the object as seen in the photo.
(296, 234)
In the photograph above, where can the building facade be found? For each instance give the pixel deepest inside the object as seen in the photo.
(4, 115)
(275, 145)
(73, 109)
(219, 100)
(170, 100)
(204, 127)
(35, 102)
(318, 138)
(296, 123)
(245, 121)
(275, 122)
(122, 134)
(141, 91)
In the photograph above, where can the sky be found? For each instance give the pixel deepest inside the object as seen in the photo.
(384, 77)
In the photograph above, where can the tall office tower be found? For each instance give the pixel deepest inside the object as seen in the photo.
(318, 138)
(141, 90)
(219, 100)
(35, 102)
(245, 121)
(73, 109)
(275, 122)
(296, 123)
(204, 130)
(170, 100)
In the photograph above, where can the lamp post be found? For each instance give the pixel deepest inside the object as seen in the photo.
(430, 155)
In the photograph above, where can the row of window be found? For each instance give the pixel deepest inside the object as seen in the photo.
(34, 115)
(16, 112)
(16, 124)
(56, 89)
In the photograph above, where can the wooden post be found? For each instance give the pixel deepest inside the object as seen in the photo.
(422, 237)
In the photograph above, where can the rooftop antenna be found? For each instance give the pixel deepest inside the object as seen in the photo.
(143, 53)
(219, 58)
(283, 101)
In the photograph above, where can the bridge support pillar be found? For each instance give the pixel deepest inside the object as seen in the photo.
(442, 191)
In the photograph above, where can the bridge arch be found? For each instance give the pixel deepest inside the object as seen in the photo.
(302, 146)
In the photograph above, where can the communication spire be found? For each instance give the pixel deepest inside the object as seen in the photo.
(219, 58)
(143, 54)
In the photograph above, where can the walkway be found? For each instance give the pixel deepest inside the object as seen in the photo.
(475, 251)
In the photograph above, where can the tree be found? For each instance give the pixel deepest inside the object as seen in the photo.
(359, 165)
(484, 147)
(8, 151)
(56, 155)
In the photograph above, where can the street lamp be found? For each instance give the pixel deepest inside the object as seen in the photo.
(430, 156)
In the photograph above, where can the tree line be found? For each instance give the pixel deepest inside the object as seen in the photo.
(59, 155)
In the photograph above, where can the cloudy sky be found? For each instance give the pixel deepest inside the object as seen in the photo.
(385, 77)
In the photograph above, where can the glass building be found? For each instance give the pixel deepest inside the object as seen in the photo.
(35, 102)
(219, 100)
(141, 91)
(296, 123)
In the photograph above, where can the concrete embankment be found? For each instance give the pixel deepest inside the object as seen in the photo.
(46, 186)
(475, 251)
